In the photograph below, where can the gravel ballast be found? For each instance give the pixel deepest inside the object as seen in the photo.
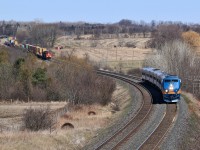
(173, 138)
(147, 128)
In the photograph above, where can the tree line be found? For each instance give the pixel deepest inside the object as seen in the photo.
(44, 34)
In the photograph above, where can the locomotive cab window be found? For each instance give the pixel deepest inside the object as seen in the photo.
(167, 80)
(174, 80)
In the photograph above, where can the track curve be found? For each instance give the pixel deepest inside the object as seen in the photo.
(133, 125)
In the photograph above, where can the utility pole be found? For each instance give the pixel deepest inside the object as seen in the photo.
(107, 58)
(116, 54)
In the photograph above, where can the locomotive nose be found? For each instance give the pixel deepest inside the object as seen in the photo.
(171, 87)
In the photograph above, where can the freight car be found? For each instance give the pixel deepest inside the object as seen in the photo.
(10, 41)
(170, 85)
(38, 51)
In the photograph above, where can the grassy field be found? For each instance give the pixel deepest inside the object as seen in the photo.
(84, 128)
(127, 52)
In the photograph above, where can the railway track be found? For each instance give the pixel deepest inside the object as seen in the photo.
(133, 125)
(155, 139)
(123, 135)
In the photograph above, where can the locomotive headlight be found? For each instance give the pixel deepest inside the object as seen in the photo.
(171, 87)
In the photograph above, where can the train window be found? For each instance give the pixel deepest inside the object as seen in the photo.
(174, 80)
(167, 80)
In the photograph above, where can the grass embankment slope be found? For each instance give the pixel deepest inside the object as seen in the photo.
(192, 136)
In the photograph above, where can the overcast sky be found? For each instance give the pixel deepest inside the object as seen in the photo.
(102, 11)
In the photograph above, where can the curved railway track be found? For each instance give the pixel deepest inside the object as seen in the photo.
(154, 140)
(123, 135)
(133, 125)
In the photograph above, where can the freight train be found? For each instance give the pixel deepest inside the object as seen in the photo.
(38, 51)
(170, 85)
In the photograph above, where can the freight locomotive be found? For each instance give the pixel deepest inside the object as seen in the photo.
(170, 85)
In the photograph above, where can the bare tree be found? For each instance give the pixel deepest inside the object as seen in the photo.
(165, 33)
(78, 33)
(125, 22)
(43, 34)
(22, 36)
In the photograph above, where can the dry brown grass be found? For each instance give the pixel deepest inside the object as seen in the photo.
(11, 113)
(194, 104)
(191, 136)
(107, 51)
(85, 126)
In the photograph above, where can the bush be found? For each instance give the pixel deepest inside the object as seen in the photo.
(39, 77)
(76, 82)
(37, 119)
(192, 38)
(130, 44)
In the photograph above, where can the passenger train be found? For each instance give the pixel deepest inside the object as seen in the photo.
(170, 85)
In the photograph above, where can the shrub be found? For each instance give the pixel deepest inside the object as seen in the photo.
(192, 38)
(37, 119)
(130, 44)
(40, 77)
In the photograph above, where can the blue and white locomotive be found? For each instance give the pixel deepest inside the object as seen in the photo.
(170, 85)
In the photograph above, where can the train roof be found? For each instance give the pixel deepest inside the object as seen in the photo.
(159, 73)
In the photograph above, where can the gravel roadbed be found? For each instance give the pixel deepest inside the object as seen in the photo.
(146, 129)
(177, 131)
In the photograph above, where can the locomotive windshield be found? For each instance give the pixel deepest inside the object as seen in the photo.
(171, 82)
